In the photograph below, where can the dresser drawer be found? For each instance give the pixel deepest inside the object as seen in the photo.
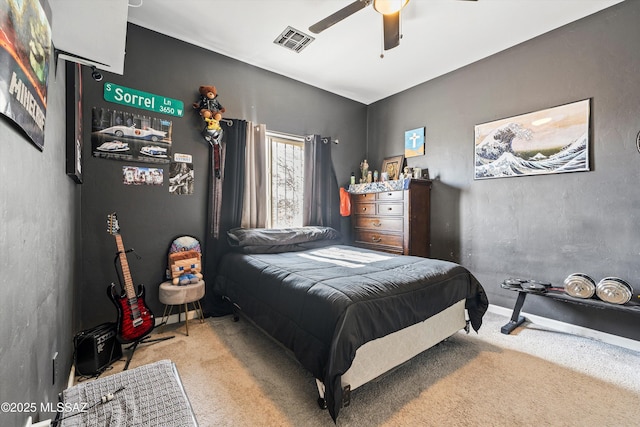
(367, 197)
(375, 238)
(390, 195)
(379, 223)
(361, 208)
(391, 209)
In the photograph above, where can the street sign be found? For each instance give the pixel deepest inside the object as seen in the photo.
(147, 101)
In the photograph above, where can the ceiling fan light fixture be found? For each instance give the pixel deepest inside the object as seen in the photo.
(389, 7)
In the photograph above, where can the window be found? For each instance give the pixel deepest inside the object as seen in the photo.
(285, 166)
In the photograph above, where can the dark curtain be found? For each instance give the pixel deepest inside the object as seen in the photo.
(321, 191)
(224, 207)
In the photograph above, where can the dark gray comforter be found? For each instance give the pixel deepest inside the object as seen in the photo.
(324, 303)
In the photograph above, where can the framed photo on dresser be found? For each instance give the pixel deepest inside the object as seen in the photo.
(392, 166)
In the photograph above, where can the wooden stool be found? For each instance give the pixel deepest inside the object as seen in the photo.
(172, 295)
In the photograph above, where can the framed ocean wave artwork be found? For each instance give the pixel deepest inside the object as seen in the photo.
(554, 140)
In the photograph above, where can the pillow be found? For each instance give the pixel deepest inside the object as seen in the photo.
(276, 249)
(275, 240)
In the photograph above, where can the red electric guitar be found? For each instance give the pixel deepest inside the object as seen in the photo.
(135, 319)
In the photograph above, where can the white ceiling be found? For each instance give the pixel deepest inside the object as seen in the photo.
(439, 35)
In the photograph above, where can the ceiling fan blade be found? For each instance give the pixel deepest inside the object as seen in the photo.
(391, 30)
(343, 13)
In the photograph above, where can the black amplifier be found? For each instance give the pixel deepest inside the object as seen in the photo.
(96, 349)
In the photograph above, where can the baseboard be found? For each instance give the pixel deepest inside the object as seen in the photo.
(570, 328)
(46, 423)
(72, 376)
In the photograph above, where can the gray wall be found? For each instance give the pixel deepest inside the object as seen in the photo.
(149, 216)
(541, 227)
(39, 237)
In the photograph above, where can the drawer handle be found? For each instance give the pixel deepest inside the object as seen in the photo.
(389, 194)
(389, 209)
(364, 209)
(377, 224)
(376, 239)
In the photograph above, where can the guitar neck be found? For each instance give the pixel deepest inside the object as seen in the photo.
(128, 282)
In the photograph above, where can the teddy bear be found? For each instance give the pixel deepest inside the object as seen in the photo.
(211, 111)
(209, 101)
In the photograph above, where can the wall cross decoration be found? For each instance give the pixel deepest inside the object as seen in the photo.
(414, 142)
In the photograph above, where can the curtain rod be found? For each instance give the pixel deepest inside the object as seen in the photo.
(296, 137)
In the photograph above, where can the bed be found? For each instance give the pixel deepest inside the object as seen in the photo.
(339, 308)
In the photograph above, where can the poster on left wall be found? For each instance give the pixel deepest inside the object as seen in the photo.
(121, 135)
(25, 52)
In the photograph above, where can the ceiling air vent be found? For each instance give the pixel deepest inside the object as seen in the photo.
(293, 39)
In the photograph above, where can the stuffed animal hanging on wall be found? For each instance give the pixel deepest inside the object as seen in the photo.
(209, 100)
(211, 111)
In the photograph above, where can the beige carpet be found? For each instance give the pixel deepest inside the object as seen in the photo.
(235, 376)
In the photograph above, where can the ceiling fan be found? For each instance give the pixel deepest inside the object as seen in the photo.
(389, 9)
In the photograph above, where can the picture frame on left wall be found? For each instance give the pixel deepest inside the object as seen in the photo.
(74, 121)
(26, 56)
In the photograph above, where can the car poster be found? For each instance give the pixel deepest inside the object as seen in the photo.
(181, 174)
(120, 135)
(25, 53)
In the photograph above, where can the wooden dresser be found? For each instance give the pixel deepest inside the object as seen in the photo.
(393, 221)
